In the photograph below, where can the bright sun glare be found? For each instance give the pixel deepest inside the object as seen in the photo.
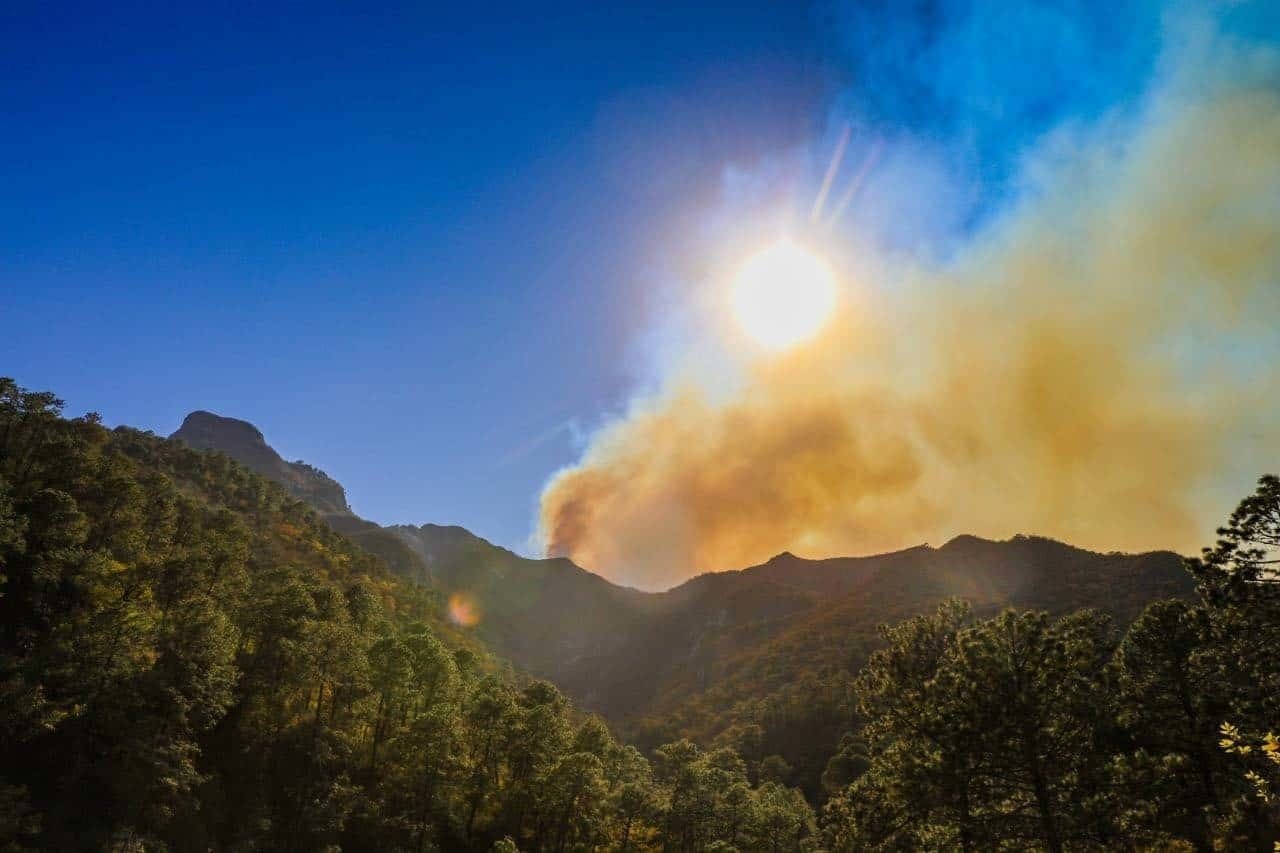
(783, 295)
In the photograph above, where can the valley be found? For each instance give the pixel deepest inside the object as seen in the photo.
(759, 658)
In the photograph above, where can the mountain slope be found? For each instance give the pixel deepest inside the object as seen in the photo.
(764, 650)
(243, 442)
(520, 604)
(190, 658)
(780, 686)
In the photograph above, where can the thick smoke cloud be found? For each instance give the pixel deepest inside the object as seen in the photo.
(1098, 365)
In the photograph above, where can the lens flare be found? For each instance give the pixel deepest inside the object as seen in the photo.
(783, 295)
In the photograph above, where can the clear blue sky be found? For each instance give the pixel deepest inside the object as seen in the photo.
(410, 242)
(404, 241)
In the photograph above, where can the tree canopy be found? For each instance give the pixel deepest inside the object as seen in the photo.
(191, 659)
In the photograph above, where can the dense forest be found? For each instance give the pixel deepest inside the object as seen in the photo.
(191, 658)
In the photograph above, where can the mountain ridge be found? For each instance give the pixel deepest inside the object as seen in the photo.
(244, 442)
(708, 657)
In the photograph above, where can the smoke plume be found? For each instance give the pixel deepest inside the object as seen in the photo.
(1098, 365)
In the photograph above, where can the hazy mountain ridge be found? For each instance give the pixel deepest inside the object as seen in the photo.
(702, 657)
(855, 594)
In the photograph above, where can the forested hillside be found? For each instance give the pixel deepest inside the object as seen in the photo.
(783, 686)
(244, 442)
(1025, 732)
(762, 659)
(191, 660)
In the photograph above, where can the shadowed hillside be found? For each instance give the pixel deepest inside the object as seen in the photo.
(755, 656)
(781, 685)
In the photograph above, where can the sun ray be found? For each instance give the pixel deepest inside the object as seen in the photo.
(867, 164)
(832, 168)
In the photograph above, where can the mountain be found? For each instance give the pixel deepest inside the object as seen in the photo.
(779, 683)
(244, 442)
(521, 603)
(192, 659)
(632, 655)
(760, 656)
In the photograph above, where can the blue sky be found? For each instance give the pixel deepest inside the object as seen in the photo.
(402, 242)
(413, 242)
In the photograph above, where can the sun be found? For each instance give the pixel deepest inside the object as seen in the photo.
(783, 295)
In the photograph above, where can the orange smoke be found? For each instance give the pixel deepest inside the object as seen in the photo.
(463, 610)
(1093, 368)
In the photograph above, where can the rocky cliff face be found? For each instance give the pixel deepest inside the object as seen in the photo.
(244, 442)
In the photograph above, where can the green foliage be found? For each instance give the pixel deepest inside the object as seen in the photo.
(1021, 732)
(190, 658)
(782, 684)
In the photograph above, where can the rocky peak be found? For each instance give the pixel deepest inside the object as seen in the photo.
(243, 442)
